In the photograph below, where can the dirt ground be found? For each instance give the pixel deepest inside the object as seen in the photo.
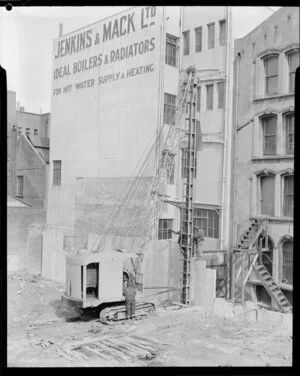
(39, 325)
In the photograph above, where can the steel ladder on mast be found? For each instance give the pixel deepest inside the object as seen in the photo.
(188, 190)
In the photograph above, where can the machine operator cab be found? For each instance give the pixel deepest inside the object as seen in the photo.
(96, 278)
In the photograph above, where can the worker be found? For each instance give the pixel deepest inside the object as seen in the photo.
(129, 293)
(181, 238)
(198, 242)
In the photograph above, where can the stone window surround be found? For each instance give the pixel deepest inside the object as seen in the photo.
(283, 70)
(278, 189)
(257, 135)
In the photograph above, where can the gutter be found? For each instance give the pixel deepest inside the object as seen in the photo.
(227, 130)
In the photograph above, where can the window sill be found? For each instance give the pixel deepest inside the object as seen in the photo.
(273, 96)
(273, 219)
(273, 157)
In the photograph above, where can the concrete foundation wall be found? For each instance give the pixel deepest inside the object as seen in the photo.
(24, 231)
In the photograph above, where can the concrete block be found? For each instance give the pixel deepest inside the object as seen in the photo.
(238, 310)
(12, 263)
(205, 285)
(250, 305)
(287, 324)
(250, 315)
(222, 308)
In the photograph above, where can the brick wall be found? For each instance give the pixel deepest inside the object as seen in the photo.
(96, 200)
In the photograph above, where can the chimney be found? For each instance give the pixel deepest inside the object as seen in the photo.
(61, 30)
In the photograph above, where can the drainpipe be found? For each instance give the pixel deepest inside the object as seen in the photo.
(234, 224)
(227, 130)
(14, 149)
(161, 86)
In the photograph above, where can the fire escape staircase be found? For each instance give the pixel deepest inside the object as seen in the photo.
(272, 288)
(248, 245)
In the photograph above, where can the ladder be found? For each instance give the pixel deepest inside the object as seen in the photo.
(190, 153)
(171, 145)
(274, 291)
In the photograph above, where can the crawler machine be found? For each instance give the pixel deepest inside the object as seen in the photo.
(95, 280)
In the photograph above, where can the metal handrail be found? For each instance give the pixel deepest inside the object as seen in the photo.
(259, 231)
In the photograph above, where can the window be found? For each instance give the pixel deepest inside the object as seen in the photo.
(208, 221)
(198, 98)
(222, 25)
(289, 128)
(269, 135)
(293, 60)
(165, 229)
(267, 186)
(186, 42)
(169, 109)
(198, 39)
(211, 35)
(287, 262)
(169, 165)
(209, 97)
(20, 186)
(221, 94)
(56, 173)
(171, 50)
(185, 164)
(288, 195)
(35, 132)
(27, 131)
(271, 74)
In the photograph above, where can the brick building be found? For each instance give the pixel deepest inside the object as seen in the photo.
(263, 118)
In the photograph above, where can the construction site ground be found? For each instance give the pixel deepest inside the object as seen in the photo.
(40, 328)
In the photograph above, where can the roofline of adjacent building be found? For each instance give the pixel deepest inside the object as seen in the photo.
(259, 25)
(33, 147)
(33, 113)
(18, 199)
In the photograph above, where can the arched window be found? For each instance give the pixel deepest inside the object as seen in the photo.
(269, 124)
(293, 61)
(288, 195)
(289, 122)
(267, 194)
(271, 74)
(287, 261)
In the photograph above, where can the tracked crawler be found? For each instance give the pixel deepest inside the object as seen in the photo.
(95, 280)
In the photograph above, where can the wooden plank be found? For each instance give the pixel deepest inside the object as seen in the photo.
(124, 349)
(153, 341)
(134, 348)
(64, 354)
(81, 354)
(85, 341)
(152, 350)
(109, 348)
(94, 351)
(75, 354)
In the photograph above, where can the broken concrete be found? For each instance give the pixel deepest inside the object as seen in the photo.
(252, 313)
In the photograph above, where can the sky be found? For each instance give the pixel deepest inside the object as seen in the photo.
(26, 43)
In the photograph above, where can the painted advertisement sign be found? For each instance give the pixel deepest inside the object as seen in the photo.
(105, 92)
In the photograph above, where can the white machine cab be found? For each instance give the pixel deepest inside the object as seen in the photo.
(95, 278)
